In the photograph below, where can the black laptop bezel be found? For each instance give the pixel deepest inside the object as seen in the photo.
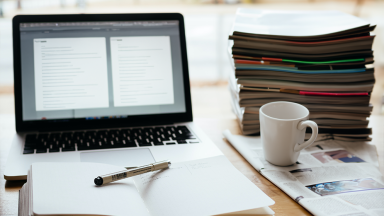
(78, 124)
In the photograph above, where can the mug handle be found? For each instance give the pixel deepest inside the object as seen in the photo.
(301, 126)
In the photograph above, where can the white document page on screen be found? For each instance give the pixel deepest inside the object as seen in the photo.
(70, 73)
(142, 71)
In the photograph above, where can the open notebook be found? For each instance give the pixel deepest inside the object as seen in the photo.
(209, 186)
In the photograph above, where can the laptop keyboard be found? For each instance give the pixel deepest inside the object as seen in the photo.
(104, 139)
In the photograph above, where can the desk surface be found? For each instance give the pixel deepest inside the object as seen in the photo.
(213, 127)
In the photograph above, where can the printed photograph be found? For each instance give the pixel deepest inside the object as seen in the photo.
(345, 186)
(339, 156)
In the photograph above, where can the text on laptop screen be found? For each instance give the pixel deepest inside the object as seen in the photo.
(96, 70)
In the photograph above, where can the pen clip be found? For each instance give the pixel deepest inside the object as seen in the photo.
(128, 168)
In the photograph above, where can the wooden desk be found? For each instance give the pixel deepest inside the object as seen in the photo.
(213, 127)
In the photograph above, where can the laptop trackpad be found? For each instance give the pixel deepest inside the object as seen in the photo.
(125, 158)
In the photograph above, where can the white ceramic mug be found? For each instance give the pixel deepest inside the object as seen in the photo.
(282, 130)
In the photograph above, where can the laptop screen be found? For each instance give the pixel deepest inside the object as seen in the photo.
(100, 70)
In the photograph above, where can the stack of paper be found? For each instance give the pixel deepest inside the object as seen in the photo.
(209, 186)
(320, 59)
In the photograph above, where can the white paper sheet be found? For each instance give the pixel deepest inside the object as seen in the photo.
(68, 188)
(294, 23)
(202, 187)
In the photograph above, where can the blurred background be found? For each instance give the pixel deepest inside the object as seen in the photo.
(208, 24)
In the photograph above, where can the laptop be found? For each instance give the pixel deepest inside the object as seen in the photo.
(104, 88)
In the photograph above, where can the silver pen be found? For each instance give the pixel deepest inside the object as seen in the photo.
(105, 179)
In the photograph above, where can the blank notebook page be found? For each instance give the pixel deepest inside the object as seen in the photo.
(206, 186)
(68, 188)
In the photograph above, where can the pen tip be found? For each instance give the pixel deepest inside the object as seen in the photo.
(98, 181)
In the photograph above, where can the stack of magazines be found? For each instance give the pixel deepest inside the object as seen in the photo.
(320, 59)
